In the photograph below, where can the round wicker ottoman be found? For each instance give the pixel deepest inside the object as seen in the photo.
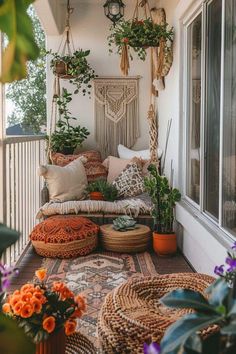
(64, 236)
(132, 313)
(137, 240)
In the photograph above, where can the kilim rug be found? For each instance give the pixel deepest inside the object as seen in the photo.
(95, 276)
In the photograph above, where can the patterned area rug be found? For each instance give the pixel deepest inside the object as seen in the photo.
(95, 276)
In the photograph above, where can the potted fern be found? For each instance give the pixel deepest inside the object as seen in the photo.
(102, 190)
(164, 199)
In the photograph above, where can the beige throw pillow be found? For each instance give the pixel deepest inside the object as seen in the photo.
(65, 183)
(130, 182)
(116, 165)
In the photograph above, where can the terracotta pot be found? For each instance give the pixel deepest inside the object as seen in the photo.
(96, 196)
(164, 244)
(60, 68)
(55, 344)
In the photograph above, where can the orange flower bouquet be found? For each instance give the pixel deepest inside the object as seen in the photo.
(43, 310)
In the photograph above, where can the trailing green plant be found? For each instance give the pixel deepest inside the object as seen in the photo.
(163, 198)
(124, 223)
(138, 34)
(66, 137)
(76, 67)
(108, 191)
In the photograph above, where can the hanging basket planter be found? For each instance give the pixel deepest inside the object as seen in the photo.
(137, 35)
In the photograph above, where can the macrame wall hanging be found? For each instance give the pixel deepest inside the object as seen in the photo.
(116, 113)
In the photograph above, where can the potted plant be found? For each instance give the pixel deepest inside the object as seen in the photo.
(163, 198)
(102, 190)
(66, 137)
(75, 68)
(216, 311)
(139, 35)
(46, 313)
(124, 223)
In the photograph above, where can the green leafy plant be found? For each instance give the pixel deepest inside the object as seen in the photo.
(163, 198)
(124, 223)
(219, 309)
(17, 25)
(76, 68)
(66, 137)
(138, 34)
(108, 191)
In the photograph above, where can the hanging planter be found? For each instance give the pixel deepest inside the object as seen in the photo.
(75, 68)
(70, 64)
(137, 34)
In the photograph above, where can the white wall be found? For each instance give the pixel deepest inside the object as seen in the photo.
(90, 28)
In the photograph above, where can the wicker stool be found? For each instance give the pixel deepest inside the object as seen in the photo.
(136, 240)
(64, 236)
(132, 313)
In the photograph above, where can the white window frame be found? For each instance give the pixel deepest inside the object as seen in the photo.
(198, 209)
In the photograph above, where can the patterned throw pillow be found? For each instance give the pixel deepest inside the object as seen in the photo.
(130, 182)
(93, 167)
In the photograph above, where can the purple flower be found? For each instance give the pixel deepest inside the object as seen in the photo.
(234, 246)
(153, 348)
(219, 270)
(6, 273)
(232, 264)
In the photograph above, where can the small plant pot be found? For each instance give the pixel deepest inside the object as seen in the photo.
(164, 244)
(96, 196)
(67, 151)
(55, 344)
(60, 68)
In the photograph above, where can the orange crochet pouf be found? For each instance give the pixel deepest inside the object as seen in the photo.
(65, 236)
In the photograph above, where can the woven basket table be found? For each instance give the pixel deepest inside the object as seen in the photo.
(132, 313)
(79, 344)
(137, 240)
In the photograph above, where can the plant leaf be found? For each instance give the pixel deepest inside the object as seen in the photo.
(177, 334)
(17, 25)
(218, 291)
(7, 237)
(185, 298)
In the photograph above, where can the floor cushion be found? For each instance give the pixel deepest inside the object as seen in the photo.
(132, 313)
(64, 236)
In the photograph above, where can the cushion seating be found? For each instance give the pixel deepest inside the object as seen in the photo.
(132, 313)
(64, 236)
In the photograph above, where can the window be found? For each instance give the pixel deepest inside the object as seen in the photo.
(211, 112)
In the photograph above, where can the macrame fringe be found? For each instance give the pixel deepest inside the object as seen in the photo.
(110, 134)
(124, 63)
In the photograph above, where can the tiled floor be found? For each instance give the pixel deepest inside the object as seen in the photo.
(31, 262)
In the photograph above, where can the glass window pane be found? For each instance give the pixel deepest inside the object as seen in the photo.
(25, 103)
(194, 108)
(212, 127)
(229, 135)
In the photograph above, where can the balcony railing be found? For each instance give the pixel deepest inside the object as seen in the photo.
(21, 188)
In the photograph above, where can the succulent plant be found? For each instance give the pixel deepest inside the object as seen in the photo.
(124, 223)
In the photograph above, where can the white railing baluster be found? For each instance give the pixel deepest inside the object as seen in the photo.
(23, 187)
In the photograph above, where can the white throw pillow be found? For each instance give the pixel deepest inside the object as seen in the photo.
(125, 153)
(65, 183)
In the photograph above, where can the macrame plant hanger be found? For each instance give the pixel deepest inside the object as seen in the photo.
(152, 118)
(66, 47)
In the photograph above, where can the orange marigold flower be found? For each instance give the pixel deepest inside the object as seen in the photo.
(58, 286)
(49, 324)
(70, 327)
(18, 307)
(66, 294)
(16, 292)
(38, 295)
(41, 274)
(27, 311)
(80, 302)
(6, 308)
(37, 305)
(27, 287)
(14, 299)
(26, 296)
(77, 313)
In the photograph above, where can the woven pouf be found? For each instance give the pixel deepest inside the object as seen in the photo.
(64, 236)
(132, 313)
(130, 241)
